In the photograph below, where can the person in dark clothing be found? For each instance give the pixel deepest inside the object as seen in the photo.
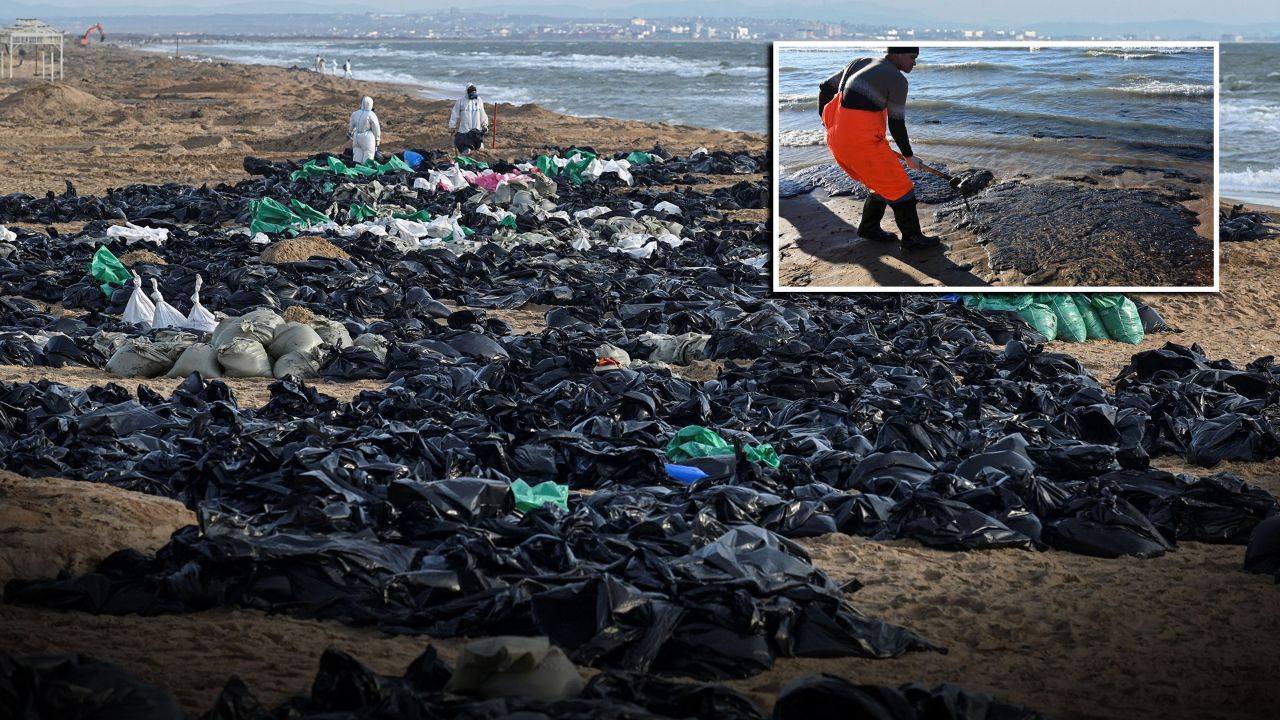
(856, 104)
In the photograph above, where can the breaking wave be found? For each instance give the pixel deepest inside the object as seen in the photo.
(798, 102)
(973, 65)
(1165, 89)
(802, 138)
(1250, 181)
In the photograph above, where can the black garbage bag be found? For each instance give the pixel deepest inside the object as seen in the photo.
(78, 687)
(1152, 321)
(1232, 436)
(1105, 525)
(344, 684)
(826, 696)
(1263, 554)
(1217, 508)
(355, 363)
(605, 621)
(667, 698)
(951, 525)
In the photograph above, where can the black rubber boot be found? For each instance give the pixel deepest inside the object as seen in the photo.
(872, 214)
(904, 212)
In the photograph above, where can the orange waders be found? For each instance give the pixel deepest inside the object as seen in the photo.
(856, 140)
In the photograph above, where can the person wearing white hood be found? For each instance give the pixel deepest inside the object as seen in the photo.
(364, 131)
(469, 121)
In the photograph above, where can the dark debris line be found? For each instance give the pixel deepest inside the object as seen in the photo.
(892, 415)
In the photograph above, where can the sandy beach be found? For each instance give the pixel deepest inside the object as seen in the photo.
(1186, 635)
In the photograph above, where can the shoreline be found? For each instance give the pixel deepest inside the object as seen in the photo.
(124, 115)
(1250, 205)
(429, 89)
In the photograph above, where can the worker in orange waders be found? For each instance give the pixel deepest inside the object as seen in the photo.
(856, 104)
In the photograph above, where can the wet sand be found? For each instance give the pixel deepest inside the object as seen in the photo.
(819, 246)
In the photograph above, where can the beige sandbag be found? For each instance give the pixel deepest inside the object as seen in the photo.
(244, 357)
(376, 343)
(294, 337)
(137, 357)
(333, 333)
(515, 666)
(298, 364)
(259, 325)
(201, 358)
(108, 343)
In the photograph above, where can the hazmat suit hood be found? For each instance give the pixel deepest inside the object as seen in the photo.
(366, 103)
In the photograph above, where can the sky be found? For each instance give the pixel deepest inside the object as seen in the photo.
(950, 11)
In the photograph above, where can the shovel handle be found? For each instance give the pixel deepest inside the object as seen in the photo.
(926, 168)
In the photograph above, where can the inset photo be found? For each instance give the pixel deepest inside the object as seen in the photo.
(985, 167)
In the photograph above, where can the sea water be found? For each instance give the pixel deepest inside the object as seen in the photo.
(1042, 112)
(722, 85)
(1250, 123)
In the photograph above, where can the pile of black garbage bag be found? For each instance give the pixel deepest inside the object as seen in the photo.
(382, 288)
(396, 508)
(892, 416)
(1237, 225)
(75, 686)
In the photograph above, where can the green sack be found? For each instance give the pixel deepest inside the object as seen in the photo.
(464, 161)
(392, 165)
(1070, 325)
(547, 164)
(1120, 317)
(1011, 302)
(1094, 329)
(577, 166)
(695, 441)
(270, 217)
(530, 498)
(360, 211)
(639, 158)
(763, 453)
(1042, 318)
(334, 165)
(308, 214)
(579, 161)
(106, 269)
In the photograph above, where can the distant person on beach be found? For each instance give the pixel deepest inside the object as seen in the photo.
(469, 121)
(346, 69)
(335, 67)
(855, 105)
(319, 64)
(364, 130)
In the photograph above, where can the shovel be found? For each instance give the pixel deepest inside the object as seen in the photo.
(961, 185)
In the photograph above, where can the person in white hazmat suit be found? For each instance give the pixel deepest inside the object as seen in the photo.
(469, 122)
(364, 131)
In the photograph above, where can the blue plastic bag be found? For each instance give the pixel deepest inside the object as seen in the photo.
(412, 159)
(686, 474)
